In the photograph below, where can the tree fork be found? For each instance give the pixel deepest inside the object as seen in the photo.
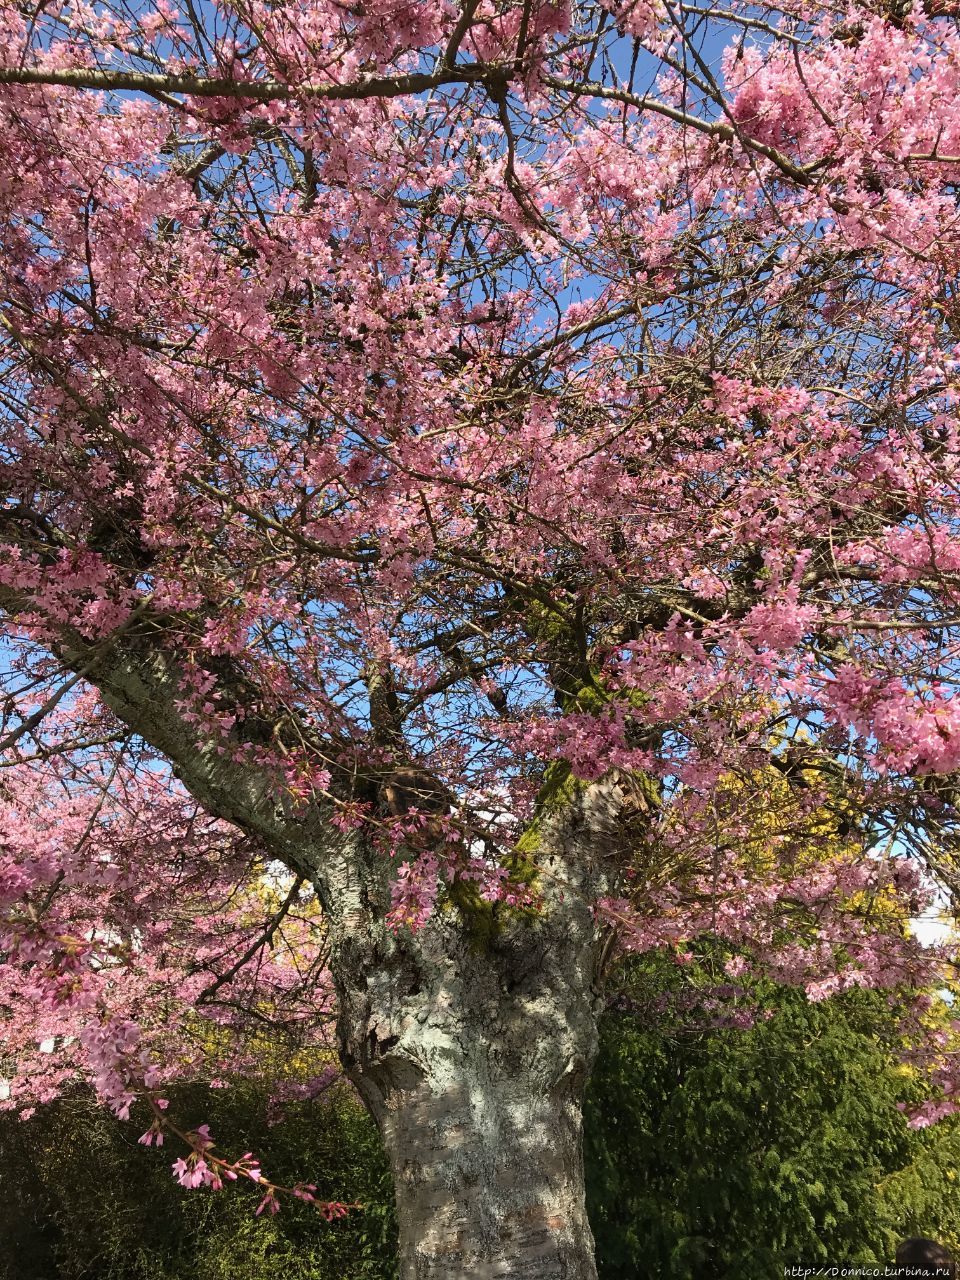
(471, 1058)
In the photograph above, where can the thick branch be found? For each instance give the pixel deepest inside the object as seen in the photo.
(156, 83)
(142, 682)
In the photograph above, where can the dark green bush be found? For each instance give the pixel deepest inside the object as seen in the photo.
(732, 1154)
(82, 1201)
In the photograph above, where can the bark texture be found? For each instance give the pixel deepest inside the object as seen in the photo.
(472, 1052)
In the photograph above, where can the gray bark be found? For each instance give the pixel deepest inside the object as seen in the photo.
(472, 1054)
(480, 1112)
(488, 1170)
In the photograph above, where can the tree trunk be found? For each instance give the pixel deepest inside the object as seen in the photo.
(489, 1174)
(471, 1047)
(476, 1083)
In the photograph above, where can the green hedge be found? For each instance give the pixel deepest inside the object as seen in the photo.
(734, 1153)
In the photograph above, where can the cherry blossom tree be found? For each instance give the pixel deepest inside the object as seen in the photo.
(454, 455)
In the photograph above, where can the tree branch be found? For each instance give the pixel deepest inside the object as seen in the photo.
(155, 83)
(263, 939)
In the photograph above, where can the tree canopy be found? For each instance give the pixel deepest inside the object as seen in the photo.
(441, 446)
